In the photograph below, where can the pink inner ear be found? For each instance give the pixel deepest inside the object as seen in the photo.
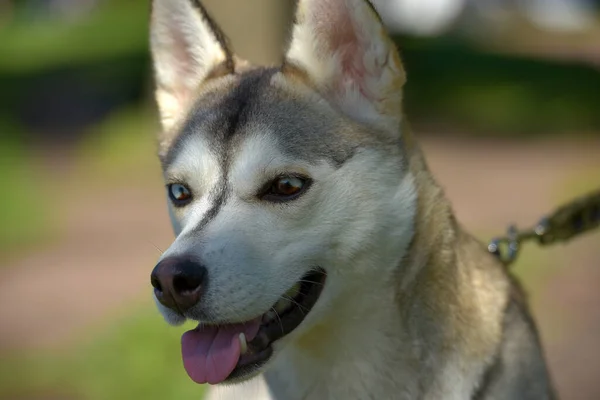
(341, 33)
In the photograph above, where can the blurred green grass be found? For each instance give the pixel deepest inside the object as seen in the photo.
(115, 29)
(24, 203)
(138, 356)
(454, 86)
(122, 146)
(579, 184)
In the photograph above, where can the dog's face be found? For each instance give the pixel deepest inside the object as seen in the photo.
(288, 187)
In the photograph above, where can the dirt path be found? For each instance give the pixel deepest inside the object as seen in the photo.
(111, 235)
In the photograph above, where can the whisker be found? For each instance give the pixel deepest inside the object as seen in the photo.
(300, 306)
(312, 282)
(156, 247)
(279, 318)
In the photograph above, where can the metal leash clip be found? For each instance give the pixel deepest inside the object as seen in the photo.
(569, 220)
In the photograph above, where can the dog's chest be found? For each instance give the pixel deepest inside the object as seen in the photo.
(381, 363)
(375, 368)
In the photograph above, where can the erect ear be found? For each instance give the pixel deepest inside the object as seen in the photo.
(186, 47)
(343, 48)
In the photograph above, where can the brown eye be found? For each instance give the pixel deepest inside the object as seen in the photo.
(180, 195)
(286, 188)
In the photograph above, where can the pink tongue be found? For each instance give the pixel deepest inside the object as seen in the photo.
(211, 353)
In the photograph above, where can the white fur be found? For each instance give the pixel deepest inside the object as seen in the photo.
(255, 389)
(195, 155)
(184, 51)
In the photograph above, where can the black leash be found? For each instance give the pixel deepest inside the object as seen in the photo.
(566, 222)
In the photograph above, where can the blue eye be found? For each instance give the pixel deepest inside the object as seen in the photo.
(179, 194)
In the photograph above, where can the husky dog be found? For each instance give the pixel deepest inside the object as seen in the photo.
(314, 248)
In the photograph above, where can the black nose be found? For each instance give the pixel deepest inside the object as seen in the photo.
(178, 282)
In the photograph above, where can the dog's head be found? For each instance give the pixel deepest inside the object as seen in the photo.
(288, 187)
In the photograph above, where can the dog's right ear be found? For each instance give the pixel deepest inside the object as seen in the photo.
(187, 46)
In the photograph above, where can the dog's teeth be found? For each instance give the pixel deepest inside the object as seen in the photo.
(243, 344)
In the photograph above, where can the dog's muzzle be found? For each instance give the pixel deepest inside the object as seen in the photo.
(229, 351)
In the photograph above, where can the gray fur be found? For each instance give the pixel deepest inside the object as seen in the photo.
(519, 370)
(300, 129)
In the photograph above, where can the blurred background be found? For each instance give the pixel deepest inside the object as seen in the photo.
(504, 94)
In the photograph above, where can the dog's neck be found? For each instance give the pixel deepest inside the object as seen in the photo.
(356, 354)
(407, 328)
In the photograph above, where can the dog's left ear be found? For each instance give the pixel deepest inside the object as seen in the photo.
(187, 46)
(343, 48)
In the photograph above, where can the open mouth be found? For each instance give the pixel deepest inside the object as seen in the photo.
(232, 352)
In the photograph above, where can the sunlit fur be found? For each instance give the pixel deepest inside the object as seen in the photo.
(348, 55)
(413, 307)
(185, 50)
